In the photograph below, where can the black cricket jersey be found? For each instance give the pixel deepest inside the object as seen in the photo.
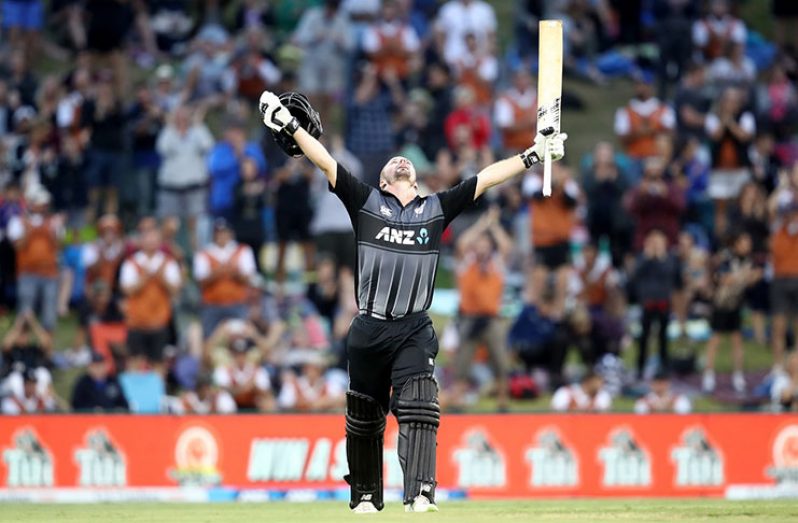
(398, 247)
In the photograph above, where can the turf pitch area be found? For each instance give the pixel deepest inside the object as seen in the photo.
(461, 512)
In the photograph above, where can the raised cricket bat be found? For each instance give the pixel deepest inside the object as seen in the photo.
(549, 87)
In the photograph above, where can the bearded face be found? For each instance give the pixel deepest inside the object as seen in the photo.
(397, 169)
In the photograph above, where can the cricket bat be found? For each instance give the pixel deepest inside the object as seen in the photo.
(549, 87)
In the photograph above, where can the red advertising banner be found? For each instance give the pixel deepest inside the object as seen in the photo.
(480, 456)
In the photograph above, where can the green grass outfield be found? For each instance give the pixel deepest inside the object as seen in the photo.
(461, 512)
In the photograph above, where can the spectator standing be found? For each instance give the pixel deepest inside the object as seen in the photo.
(391, 43)
(783, 246)
(36, 238)
(586, 396)
(23, 21)
(750, 215)
(146, 119)
(251, 71)
(515, 113)
(655, 204)
(206, 66)
(691, 103)
(225, 164)
(370, 120)
(656, 277)
(662, 399)
(183, 177)
(325, 35)
(604, 184)
(733, 69)
(457, 18)
(777, 102)
(224, 270)
(673, 37)
(331, 225)
(250, 204)
(105, 120)
(477, 68)
(715, 31)
(730, 129)
(482, 250)
(102, 258)
(643, 120)
(552, 221)
(149, 279)
(735, 274)
(293, 212)
(98, 390)
(466, 125)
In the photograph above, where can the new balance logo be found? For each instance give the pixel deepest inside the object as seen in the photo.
(391, 235)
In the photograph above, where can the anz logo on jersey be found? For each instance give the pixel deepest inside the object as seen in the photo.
(403, 237)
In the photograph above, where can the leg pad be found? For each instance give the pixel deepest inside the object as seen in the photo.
(419, 415)
(365, 426)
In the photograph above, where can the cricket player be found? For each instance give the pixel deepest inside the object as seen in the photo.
(391, 346)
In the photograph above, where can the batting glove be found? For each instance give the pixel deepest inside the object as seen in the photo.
(275, 115)
(556, 144)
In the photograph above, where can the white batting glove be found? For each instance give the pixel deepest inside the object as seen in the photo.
(275, 115)
(556, 144)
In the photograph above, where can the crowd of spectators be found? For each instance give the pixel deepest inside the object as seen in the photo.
(198, 269)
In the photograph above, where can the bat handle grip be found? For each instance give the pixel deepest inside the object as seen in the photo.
(546, 169)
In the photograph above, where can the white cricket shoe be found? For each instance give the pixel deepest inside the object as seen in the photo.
(365, 507)
(708, 382)
(421, 504)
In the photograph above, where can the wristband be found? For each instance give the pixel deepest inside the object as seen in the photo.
(291, 127)
(529, 159)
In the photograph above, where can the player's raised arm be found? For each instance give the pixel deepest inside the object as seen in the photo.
(503, 170)
(293, 137)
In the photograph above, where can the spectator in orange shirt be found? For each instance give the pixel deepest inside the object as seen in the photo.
(784, 257)
(482, 250)
(515, 113)
(149, 279)
(223, 270)
(103, 257)
(478, 69)
(552, 221)
(35, 237)
(643, 120)
(392, 43)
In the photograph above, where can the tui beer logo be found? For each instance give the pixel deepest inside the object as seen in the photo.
(551, 462)
(697, 462)
(100, 463)
(479, 463)
(626, 463)
(785, 456)
(28, 462)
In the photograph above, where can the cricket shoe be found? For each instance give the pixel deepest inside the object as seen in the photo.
(421, 504)
(365, 507)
